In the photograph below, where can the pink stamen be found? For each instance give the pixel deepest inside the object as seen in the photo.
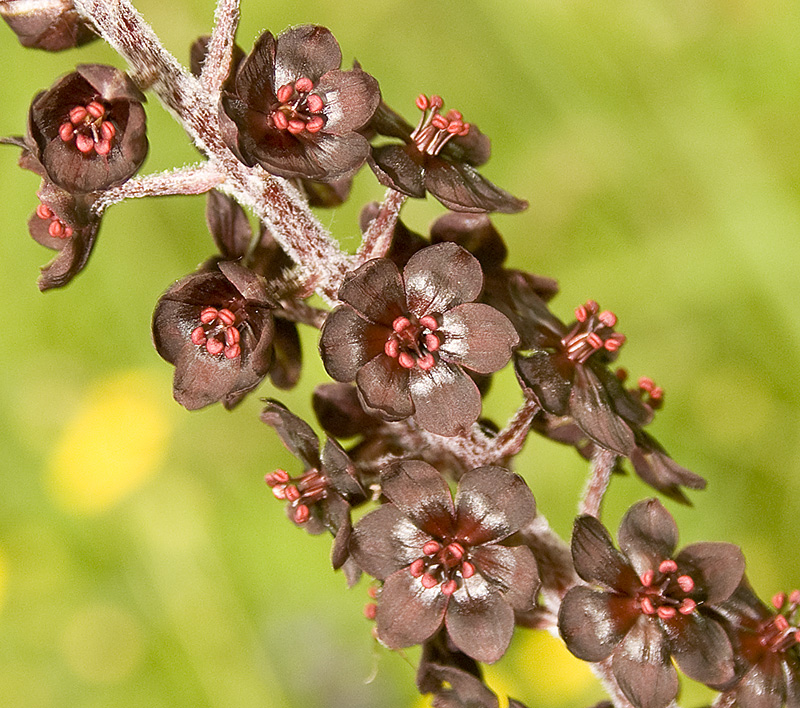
(103, 147)
(315, 124)
(214, 346)
(436, 102)
(107, 130)
(279, 491)
(432, 342)
(280, 120)
(292, 493)
(594, 340)
(315, 103)
(581, 314)
(431, 548)
(372, 591)
(449, 587)
(608, 318)
(84, 143)
(781, 623)
(304, 84)
(208, 315)
(456, 550)
(665, 612)
(647, 578)
(66, 132)
(428, 581)
(422, 102)
(56, 229)
(370, 611)
(231, 336)
(467, 569)
(198, 336)
(284, 93)
(429, 321)
(233, 351)
(95, 109)
(226, 316)
(296, 127)
(417, 568)
(687, 606)
(400, 324)
(667, 566)
(426, 363)
(301, 514)
(392, 348)
(44, 212)
(77, 114)
(647, 606)
(406, 360)
(439, 121)
(685, 583)
(794, 597)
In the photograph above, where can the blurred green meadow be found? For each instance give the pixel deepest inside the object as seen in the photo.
(144, 563)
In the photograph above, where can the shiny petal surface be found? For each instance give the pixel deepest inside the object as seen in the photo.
(395, 168)
(478, 337)
(717, 568)
(460, 188)
(350, 99)
(348, 341)
(512, 570)
(294, 432)
(384, 385)
(446, 400)
(307, 51)
(440, 277)
(596, 560)
(591, 408)
(647, 535)
(408, 613)
(421, 493)
(701, 648)
(376, 291)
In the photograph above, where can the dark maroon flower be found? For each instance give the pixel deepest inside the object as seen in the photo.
(565, 370)
(216, 327)
(766, 644)
(51, 25)
(443, 563)
(89, 130)
(295, 111)
(438, 156)
(405, 338)
(645, 605)
(320, 498)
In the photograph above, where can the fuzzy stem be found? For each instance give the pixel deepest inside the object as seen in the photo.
(378, 236)
(217, 65)
(602, 464)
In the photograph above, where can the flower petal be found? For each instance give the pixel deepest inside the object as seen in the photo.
(538, 374)
(394, 168)
(761, 687)
(643, 668)
(512, 569)
(446, 400)
(479, 620)
(477, 336)
(348, 341)
(307, 51)
(491, 504)
(460, 188)
(384, 385)
(596, 560)
(421, 493)
(375, 291)
(647, 535)
(202, 378)
(593, 623)
(701, 648)
(385, 541)
(350, 99)
(440, 277)
(716, 568)
(294, 432)
(408, 613)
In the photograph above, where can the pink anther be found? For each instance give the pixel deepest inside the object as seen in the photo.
(279, 491)
(647, 578)
(77, 114)
(304, 84)
(284, 93)
(612, 345)
(646, 384)
(84, 143)
(594, 340)
(439, 121)
(226, 316)
(95, 109)
(315, 124)
(233, 351)
(454, 115)
(392, 348)
(428, 581)
(685, 583)
(208, 315)
(687, 606)
(44, 212)
(102, 147)
(232, 336)
(296, 126)
(456, 550)
(657, 393)
(280, 120)
(66, 132)
(315, 103)
(214, 346)
(292, 493)
(370, 610)
(608, 318)
(436, 102)
(455, 127)
(432, 342)
(667, 566)
(464, 130)
(406, 360)
(198, 336)
(422, 102)
(417, 568)
(781, 623)
(647, 606)
(430, 322)
(665, 612)
(794, 597)
(107, 131)
(372, 591)
(426, 363)
(431, 548)
(56, 229)
(449, 587)
(301, 514)
(401, 323)
(581, 314)
(467, 570)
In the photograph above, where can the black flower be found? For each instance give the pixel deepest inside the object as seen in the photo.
(295, 111)
(438, 156)
(405, 338)
(650, 605)
(443, 562)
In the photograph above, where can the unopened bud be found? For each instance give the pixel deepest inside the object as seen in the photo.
(51, 25)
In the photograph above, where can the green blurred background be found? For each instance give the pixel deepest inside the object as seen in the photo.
(143, 561)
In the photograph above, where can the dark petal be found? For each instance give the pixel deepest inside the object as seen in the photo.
(716, 568)
(254, 82)
(306, 51)
(50, 26)
(593, 623)
(656, 468)
(440, 277)
(539, 375)
(446, 400)
(171, 327)
(596, 560)
(111, 83)
(287, 355)
(421, 493)
(329, 157)
(375, 291)
(339, 411)
(70, 261)
(385, 541)
(327, 194)
(479, 620)
(591, 409)
(630, 408)
(478, 337)
(491, 504)
(512, 570)
(202, 378)
(647, 535)
(341, 472)
(701, 648)
(761, 687)
(348, 341)
(467, 691)
(408, 613)
(460, 188)
(791, 675)
(538, 327)
(474, 148)
(249, 285)
(476, 233)
(340, 551)
(228, 224)
(643, 668)
(350, 99)
(390, 123)
(384, 385)
(294, 432)
(394, 167)
(438, 654)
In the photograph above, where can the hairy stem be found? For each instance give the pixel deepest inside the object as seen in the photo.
(378, 236)
(602, 464)
(217, 65)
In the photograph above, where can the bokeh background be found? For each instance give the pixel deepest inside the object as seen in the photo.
(143, 562)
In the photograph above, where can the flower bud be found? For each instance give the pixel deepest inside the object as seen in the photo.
(51, 25)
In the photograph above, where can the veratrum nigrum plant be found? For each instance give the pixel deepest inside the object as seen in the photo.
(413, 328)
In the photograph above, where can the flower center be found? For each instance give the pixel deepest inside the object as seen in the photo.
(443, 565)
(593, 331)
(413, 341)
(778, 634)
(435, 130)
(90, 128)
(301, 492)
(299, 109)
(218, 333)
(57, 228)
(665, 593)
